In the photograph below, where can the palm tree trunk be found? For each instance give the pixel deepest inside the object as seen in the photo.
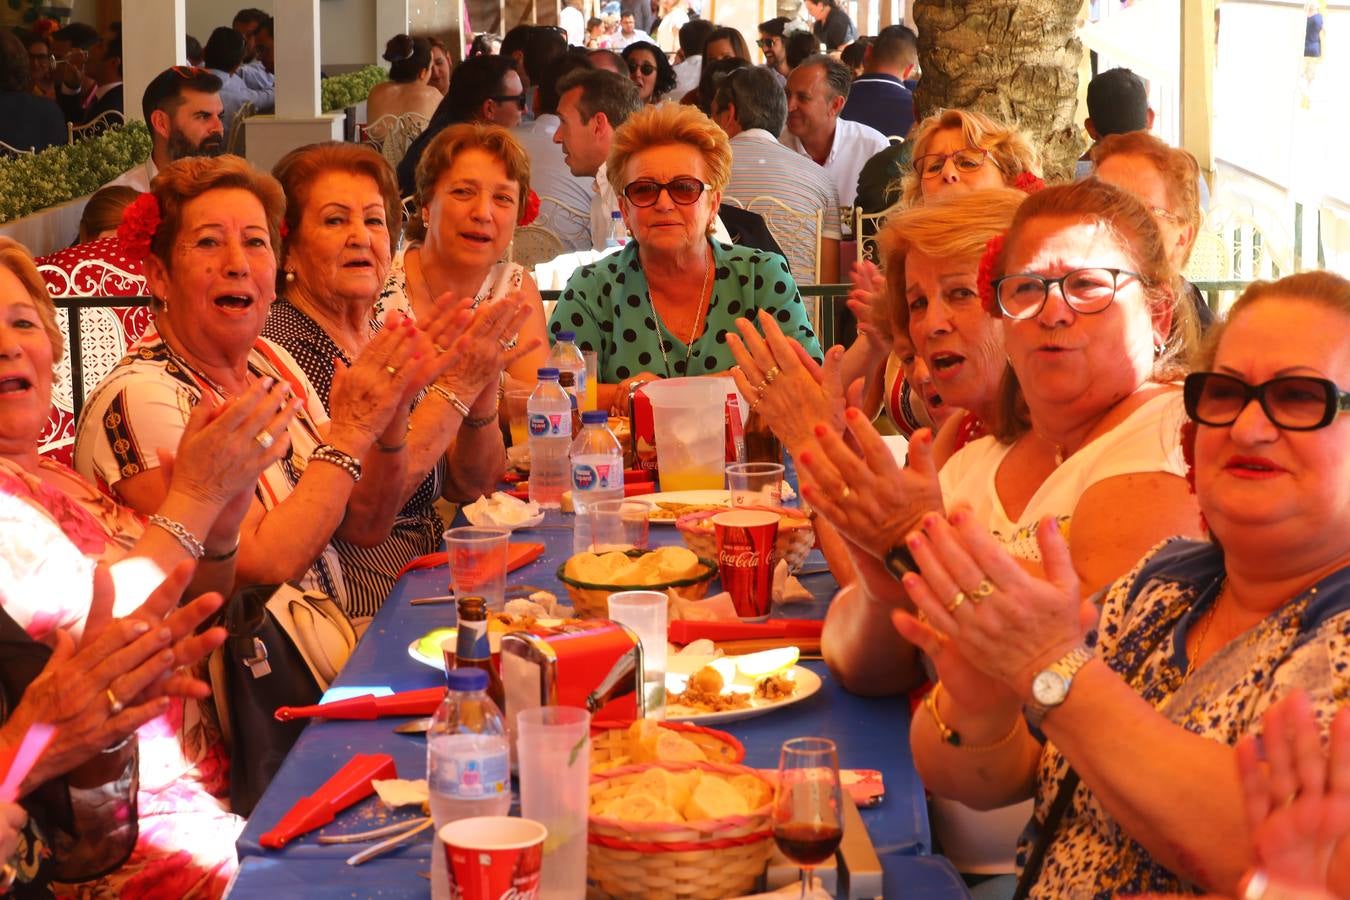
(1015, 60)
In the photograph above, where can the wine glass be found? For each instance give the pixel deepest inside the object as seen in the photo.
(807, 810)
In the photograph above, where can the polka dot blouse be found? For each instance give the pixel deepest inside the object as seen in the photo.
(606, 304)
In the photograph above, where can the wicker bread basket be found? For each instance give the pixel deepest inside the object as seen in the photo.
(591, 601)
(709, 859)
(610, 741)
(796, 535)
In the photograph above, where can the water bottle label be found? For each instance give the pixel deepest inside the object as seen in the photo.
(475, 774)
(597, 474)
(550, 424)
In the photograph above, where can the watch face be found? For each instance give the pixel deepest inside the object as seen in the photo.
(1049, 688)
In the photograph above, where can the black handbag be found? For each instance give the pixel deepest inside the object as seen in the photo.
(283, 649)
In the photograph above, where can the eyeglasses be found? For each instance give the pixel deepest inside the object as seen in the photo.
(766, 43)
(1086, 291)
(1295, 403)
(645, 68)
(188, 71)
(518, 99)
(684, 190)
(1167, 215)
(930, 165)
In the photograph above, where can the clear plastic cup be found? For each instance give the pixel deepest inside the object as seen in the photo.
(612, 525)
(515, 415)
(648, 614)
(478, 563)
(755, 483)
(554, 752)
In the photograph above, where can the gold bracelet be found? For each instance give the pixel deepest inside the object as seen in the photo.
(952, 737)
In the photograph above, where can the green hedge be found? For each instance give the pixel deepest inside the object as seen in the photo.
(342, 91)
(30, 182)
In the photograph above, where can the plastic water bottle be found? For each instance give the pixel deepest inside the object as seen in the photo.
(565, 357)
(549, 411)
(597, 471)
(618, 234)
(468, 760)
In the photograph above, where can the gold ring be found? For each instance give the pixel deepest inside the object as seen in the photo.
(115, 705)
(985, 588)
(440, 349)
(504, 344)
(756, 402)
(844, 494)
(264, 440)
(956, 601)
(391, 370)
(770, 375)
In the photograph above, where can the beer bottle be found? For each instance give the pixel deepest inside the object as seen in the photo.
(472, 649)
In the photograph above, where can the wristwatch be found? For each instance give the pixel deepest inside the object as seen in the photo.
(1051, 685)
(898, 560)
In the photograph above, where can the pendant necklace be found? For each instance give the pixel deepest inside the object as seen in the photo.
(689, 345)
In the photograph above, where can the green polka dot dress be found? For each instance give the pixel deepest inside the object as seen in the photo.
(606, 304)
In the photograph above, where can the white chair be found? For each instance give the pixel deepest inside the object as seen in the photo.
(392, 135)
(533, 244)
(798, 233)
(1233, 246)
(865, 228)
(104, 121)
(16, 151)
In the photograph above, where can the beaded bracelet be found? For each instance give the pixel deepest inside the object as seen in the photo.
(952, 737)
(333, 456)
(222, 557)
(460, 406)
(480, 421)
(194, 547)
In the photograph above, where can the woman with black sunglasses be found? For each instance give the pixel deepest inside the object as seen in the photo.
(650, 71)
(663, 305)
(1146, 704)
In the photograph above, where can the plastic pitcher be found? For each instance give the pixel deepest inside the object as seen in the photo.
(689, 419)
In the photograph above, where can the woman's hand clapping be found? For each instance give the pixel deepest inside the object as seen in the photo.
(366, 397)
(473, 352)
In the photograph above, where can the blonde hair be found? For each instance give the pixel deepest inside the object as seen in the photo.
(1008, 147)
(14, 257)
(187, 179)
(665, 124)
(1135, 231)
(955, 229)
(1326, 289)
(441, 153)
(1179, 170)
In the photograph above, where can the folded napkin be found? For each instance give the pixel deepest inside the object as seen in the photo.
(504, 510)
(786, 589)
(396, 792)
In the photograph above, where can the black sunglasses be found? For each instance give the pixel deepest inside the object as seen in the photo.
(684, 190)
(644, 68)
(518, 99)
(1294, 403)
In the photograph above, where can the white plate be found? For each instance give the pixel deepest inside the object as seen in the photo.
(808, 683)
(437, 663)
(721, 498)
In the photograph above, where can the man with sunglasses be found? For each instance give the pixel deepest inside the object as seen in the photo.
(182, 108)
(771, 45)
(816, 92)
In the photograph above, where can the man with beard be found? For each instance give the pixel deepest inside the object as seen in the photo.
(182, 108)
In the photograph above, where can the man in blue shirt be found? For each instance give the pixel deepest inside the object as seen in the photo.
(878, 98)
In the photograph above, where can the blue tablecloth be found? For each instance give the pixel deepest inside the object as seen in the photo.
(871, 733)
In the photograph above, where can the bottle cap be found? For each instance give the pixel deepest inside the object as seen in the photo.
(548, 374)
(595, 417)
(467, 680)
(565, 336)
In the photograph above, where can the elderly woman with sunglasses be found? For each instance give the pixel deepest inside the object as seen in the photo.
(1129, 704)
(662, 306)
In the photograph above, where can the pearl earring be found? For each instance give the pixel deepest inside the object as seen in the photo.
(290, 276)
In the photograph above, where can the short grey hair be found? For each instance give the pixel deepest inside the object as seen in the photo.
(602, 92)
(757, 96)
(837, 75)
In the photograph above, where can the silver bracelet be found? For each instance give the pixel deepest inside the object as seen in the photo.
(460, 406)
(194, 547)
(333, 456)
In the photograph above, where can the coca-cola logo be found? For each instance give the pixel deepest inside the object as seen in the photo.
(739, 559)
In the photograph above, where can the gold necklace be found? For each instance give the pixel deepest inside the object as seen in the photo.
(698, 314)
(1204, 631)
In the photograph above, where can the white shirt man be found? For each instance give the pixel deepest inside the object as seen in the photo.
(628, 33)
(564, 198)
(816, 92)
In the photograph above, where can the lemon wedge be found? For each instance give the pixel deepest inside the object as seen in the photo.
(767, 662)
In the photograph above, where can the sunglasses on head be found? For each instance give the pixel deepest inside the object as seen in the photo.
(645, 68)
(518, 99)
(684, 190)
(187, 71)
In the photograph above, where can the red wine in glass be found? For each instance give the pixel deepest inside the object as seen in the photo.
(807, 819)
(807, 843)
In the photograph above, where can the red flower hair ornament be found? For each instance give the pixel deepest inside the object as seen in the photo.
(1028, 183)
(985, 279)
(136, 231)
(529, 210)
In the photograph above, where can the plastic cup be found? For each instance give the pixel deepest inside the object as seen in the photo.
(647, 613)
(689, 419)
(592, 399)
(478, 563)
(746, 554)
(515, 416)
(611, 525)
(755, 483)
(489, 857)
(554, 751)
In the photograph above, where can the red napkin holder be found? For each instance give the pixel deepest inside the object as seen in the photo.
(570, 664)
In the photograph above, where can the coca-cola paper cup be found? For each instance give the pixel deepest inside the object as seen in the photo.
(493, 857)
(746, 553)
